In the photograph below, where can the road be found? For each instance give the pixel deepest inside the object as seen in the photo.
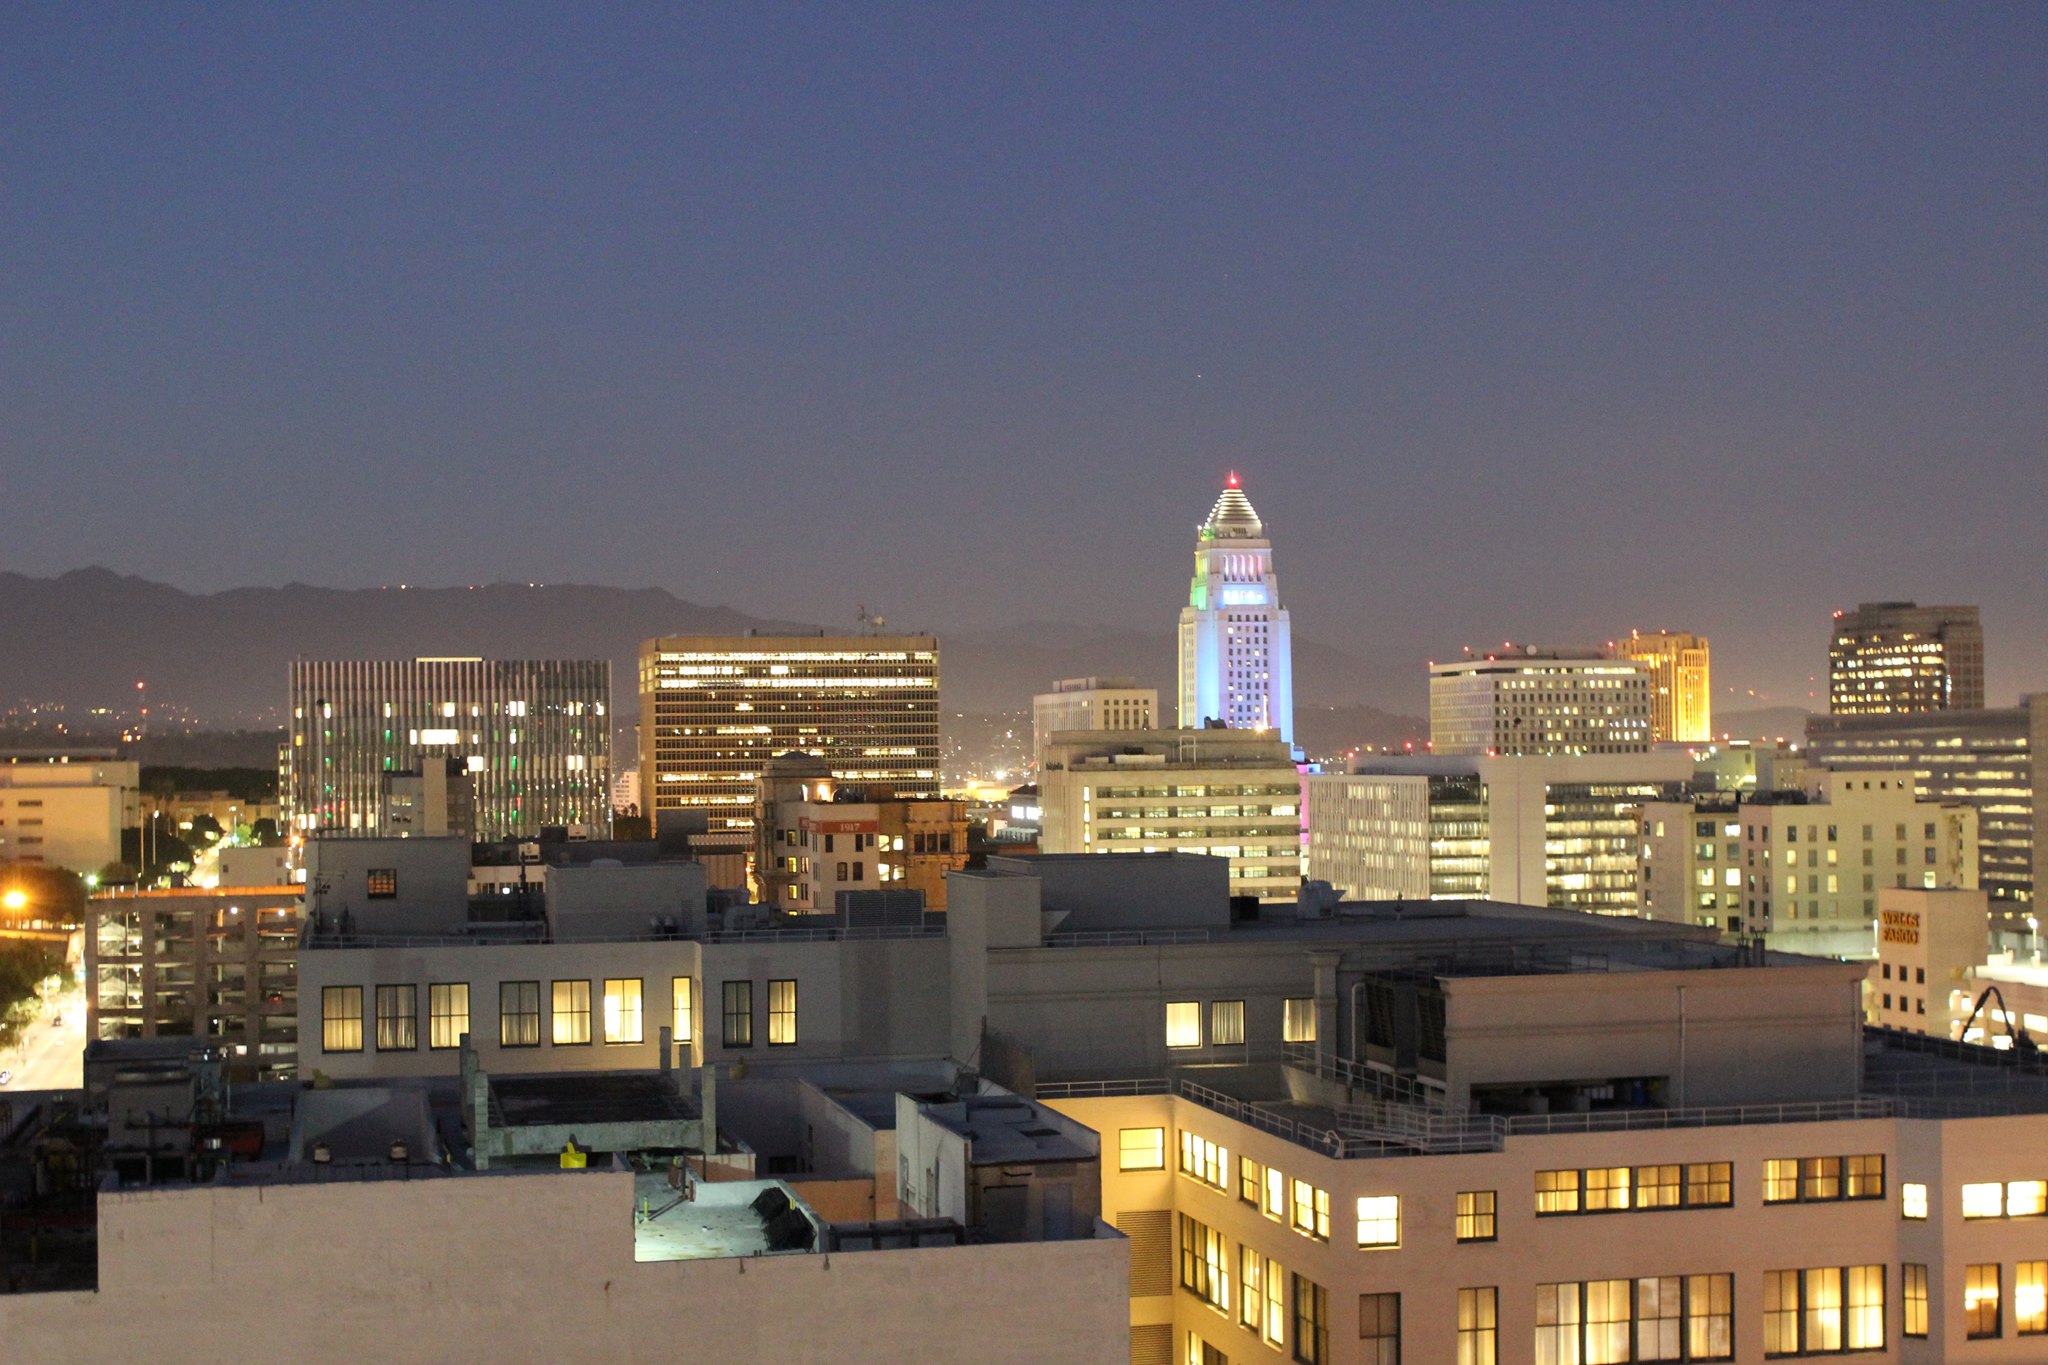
(50, 1056)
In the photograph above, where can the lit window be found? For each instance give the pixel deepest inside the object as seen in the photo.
(1226, 1023)
(1141, 1149)
(1912, 1201)
(571, 1013)
(1475, 1222)
(1657, 1187)
(1248, 1176)
(1981, 1315)
(1557, 1192)
(398, 1018)
(1299, 1022)
(1184, 1023)
(1913, 1291)
(1607, 1189)
(1379, 1220)
(1479, 1326)
(685, 1024)
(1311, 1211)
(2030, 1298)
(781, 1013)
(1709, 1184)
(341, 1019)
(381, 883)
(2026, 1198)
(622, 1013)
(1203, 1160)
(519, 1014)
(1275, 1202)
(447, 1014)
(1781, 1181)
(1984, 1201)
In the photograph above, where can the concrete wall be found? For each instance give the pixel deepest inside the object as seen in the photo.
(433, 884)
(931, 1165)
(1143, 891)
(1730, 1036)
(617, 900)
(540, 1267)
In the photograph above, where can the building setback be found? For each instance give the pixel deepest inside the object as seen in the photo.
(533, 737)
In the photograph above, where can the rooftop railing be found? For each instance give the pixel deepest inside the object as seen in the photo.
(331, 939)
(1127, 938)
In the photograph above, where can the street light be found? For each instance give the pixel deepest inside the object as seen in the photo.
(15, 899)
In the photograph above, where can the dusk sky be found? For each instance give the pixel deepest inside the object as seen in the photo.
(1517, 321)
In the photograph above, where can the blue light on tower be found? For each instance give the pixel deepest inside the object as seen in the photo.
(1236, 663)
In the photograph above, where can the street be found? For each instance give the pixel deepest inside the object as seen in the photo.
(50, 1056)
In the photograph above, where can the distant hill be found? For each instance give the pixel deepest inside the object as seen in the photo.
(83, 640)
(1764, 723)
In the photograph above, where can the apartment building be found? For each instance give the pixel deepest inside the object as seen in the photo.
(1807, 861)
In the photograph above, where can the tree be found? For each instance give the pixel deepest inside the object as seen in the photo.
(23, 965)
(264, 833)
(48, 893)
(118, 874)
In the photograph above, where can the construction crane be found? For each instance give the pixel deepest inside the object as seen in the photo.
(2017, 1032)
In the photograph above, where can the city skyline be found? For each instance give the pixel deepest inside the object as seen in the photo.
(1001, 291)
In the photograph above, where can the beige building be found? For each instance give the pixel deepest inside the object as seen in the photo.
(1091, 704)
(715, 708)
(1527, 701)
(215, 965)
(1681, 691)
(1232, 794)
(65, 809)
(815, 837)
(1802, 863)
(1898, 658)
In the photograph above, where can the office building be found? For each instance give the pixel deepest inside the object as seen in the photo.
(1528, 701)
(715, 709)
(816, 837)
(1091, 704)
(1681, 684)
(1898, 658)
(66, 808)
(1983, 759)
(1232, 794)
(216, 966)
(532, 739)
(1806, 865)
(1555, 831)
(1236, 659)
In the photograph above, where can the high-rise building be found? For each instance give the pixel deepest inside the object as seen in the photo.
(1986, 759)
(714, 709)
(1529, 701)
(1681, 692)
(1091, 704)
(532, 736)
(1236, 663)
(1226, 793)
(1898, 658)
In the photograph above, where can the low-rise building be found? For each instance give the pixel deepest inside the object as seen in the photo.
(816, 837)
(66, 808)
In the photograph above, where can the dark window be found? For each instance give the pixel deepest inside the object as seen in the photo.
(739, 1014)
(398, 1018)
(519, 1014)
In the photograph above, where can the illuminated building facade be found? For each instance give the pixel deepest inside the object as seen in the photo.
(1681, 690)
(1898, 658)
(1984, 759)
(1540, 702)
(1236, 661)
(1232, 794)
(714, 709)
(532, 736)
(815, 837)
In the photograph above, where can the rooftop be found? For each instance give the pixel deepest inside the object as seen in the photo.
(1004, 1129)
(588, 1098)
(724, 1219)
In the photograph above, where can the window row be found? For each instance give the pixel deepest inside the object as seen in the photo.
(1205, 1272)
(1667, 1317)
(568, 1018)
(1305, 1207)
(1984, 1300)
(1226, 1023)
(1812, 1179)
(1619, 1189)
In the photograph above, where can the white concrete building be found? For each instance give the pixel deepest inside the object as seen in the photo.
(1526, 701)
(1236, 648)
(1091, 704)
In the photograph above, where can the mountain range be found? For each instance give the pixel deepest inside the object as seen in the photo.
(83, 639)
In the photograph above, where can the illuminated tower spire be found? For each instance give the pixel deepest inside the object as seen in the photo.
(1236, 665)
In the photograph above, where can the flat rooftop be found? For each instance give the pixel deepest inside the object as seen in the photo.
(1005, 1129)
(719, 1223)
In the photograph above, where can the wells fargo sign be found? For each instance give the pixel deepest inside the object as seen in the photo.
(1899, 926)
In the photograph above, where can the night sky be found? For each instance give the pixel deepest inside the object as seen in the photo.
(1522, 321)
